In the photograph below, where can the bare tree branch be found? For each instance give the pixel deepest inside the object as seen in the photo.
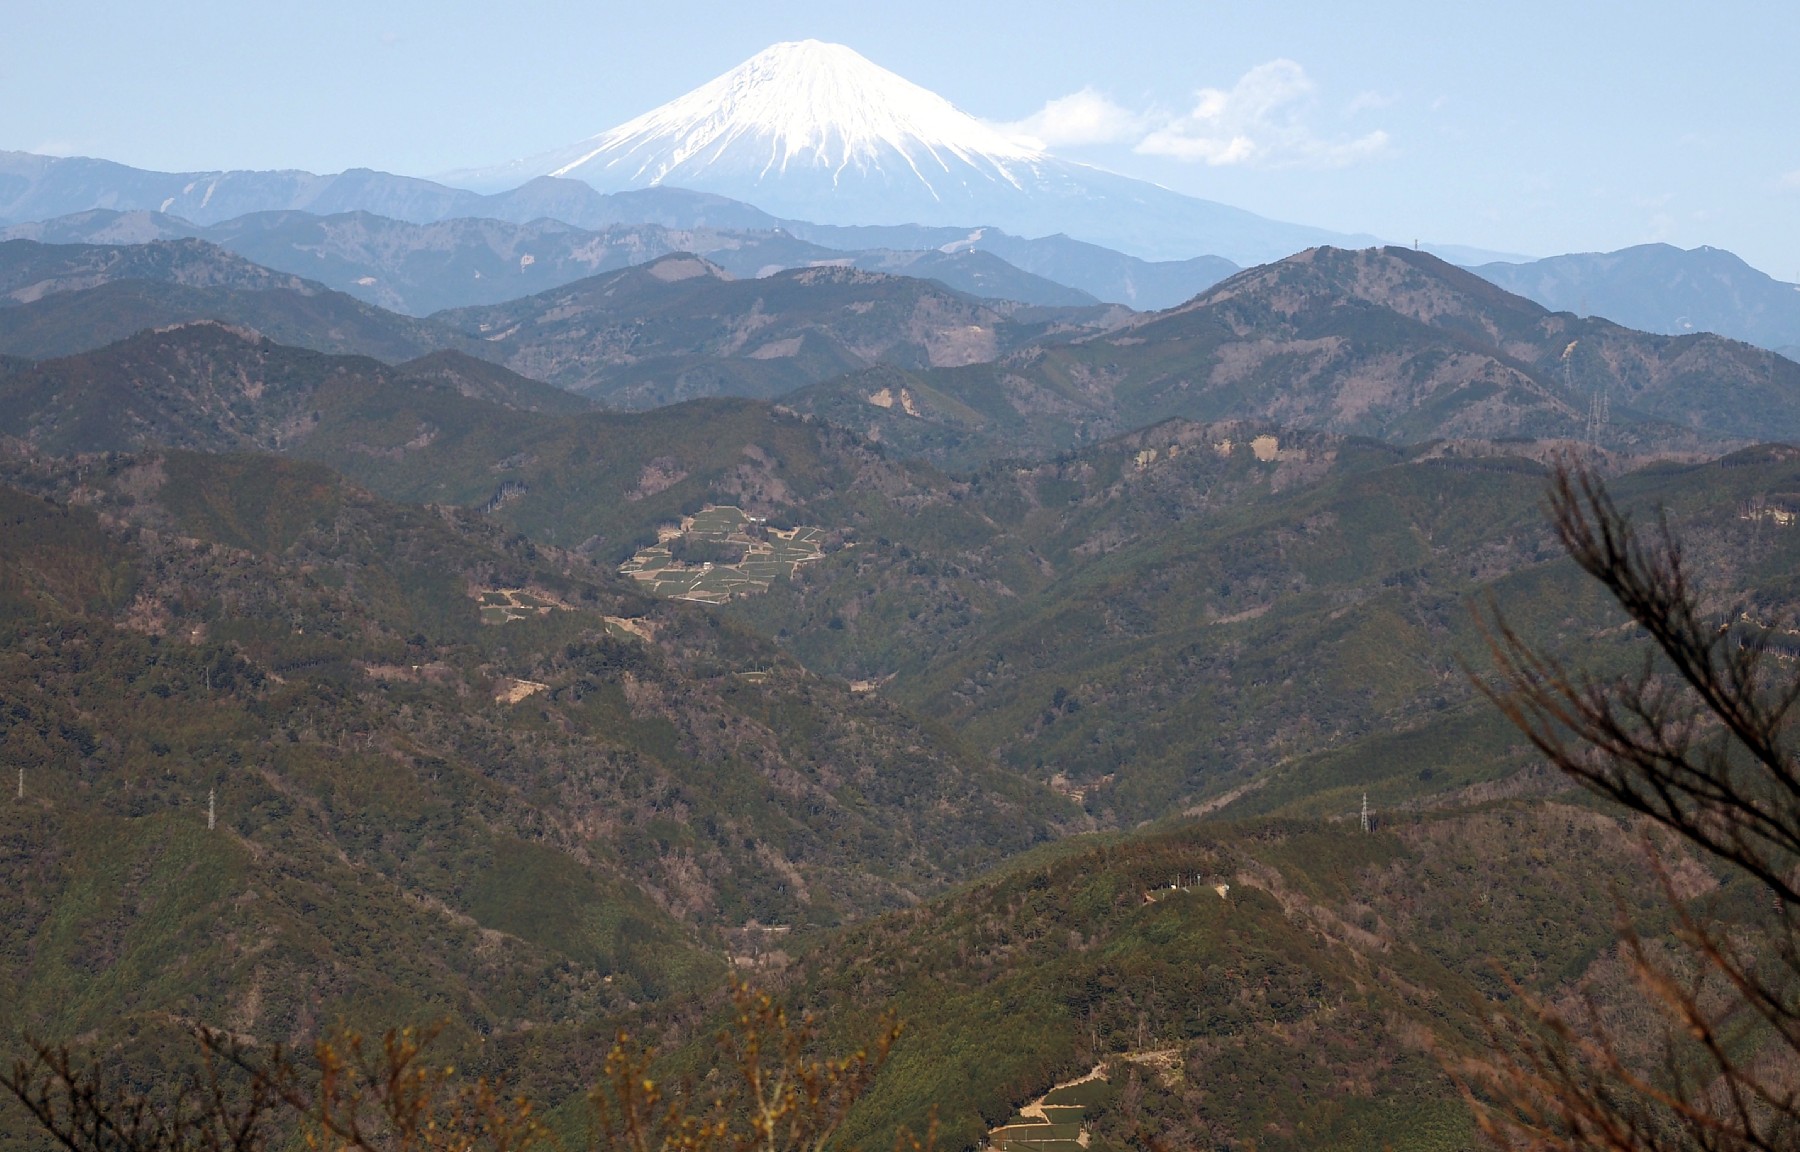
(1698, 741)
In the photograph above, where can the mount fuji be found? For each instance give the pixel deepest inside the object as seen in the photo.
(815, 131)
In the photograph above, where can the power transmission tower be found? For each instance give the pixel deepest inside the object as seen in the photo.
(1365, 812)
(1599, 402)
(211, 811)
(1599, 409)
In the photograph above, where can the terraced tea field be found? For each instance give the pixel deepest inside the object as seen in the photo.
(1053, 1122)
(766, 554)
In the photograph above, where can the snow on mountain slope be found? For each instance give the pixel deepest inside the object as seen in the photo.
(796, 109)
(814, 131)
(806, 105)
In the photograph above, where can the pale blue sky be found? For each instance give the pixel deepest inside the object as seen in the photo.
(1518, 125)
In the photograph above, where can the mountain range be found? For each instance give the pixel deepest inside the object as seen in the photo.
(1387, 343)
(316, 658)
(391, 624)
(1077, 570)
(35, 188)
(1391, 343)
(845, 162)
(674, 327)
(419, 268)
(854, 144)
(680, 327)
(1156, 567)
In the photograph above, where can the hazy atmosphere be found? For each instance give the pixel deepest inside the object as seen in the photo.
(1530, 128)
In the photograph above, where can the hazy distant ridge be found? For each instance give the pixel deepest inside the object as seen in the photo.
(1662, 288)
(420, 266)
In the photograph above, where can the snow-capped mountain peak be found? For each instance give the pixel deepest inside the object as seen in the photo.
(814, 131)
(801, 104)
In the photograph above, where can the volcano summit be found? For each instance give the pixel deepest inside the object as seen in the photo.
(815, 131)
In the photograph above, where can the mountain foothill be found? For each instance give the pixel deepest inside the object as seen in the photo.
(335, 688)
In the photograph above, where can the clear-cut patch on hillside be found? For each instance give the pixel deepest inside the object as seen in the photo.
(504, 605)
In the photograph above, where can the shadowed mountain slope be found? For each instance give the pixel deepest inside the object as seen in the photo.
(68, 323)
(660, 329)
(202, 385)
(445, 429)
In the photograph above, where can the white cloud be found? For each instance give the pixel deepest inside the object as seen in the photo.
(1367, 102)
(1084, 117)
(1260, 120)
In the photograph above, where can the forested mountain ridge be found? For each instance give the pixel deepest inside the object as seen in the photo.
(452, 726)
(1196, 609)
(1502, 366)
(1151, 622)
(445, 429)
(30, 271)
(1387, 343)
(1296, 982)
(662, 329)
(215, 387)
(680, 328)
(85, 320)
